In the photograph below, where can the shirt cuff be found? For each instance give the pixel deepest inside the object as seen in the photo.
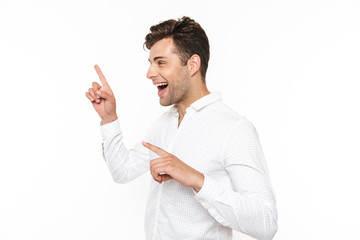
(111, 129)
(208, 193)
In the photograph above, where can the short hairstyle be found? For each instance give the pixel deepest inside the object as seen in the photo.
(188, 36)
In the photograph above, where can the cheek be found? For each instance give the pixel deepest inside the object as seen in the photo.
(173, 72)
(174, 76)
(165, 75)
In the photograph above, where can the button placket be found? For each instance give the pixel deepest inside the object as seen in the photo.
(161, 186)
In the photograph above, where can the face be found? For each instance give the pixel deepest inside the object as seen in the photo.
(167, 70)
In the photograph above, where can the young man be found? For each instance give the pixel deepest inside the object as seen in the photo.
(209, 172)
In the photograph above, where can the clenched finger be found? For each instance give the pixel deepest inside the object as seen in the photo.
(106, 96)
(165, 177)
(162, 178)
(89, 96)
(96, 86)
(161, 169)
(96, 97)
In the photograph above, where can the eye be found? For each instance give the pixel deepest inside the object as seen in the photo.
(160, 62)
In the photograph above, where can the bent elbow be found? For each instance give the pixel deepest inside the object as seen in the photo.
(270, 225)
(120, 178)
(271, 230)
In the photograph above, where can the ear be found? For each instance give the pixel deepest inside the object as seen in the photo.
(194, 64)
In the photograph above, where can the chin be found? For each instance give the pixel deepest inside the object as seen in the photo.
(165, 104)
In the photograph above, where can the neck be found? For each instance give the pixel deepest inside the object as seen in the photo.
(191, 97)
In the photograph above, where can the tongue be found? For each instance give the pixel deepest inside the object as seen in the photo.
(162, 91)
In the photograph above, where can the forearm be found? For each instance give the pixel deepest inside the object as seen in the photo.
(123, 164)
(246, 203)
(251, 213)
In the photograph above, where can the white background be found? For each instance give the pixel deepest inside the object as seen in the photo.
(291, 67)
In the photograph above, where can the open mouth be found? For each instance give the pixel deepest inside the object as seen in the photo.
(162, 88)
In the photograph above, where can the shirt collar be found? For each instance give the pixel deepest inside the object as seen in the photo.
(202, 102)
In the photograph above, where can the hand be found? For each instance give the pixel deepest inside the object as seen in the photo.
(173, 168)
(102, 98)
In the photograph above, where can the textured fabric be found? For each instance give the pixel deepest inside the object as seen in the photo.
(215, 140)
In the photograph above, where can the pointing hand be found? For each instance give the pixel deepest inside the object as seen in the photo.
(173, 168)
(102, 98)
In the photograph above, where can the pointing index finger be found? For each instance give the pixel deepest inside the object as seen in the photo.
(101, 76)
(155, 149)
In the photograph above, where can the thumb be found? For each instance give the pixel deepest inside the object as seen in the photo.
(105, 95)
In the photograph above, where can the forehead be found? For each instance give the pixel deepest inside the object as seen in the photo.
(164, 47)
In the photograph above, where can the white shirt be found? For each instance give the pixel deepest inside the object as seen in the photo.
(216, 141)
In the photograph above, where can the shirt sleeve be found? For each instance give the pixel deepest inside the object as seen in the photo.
(123, 164)
(249, 206)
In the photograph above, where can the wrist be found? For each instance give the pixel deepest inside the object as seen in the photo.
(199, 182)
(108, 119)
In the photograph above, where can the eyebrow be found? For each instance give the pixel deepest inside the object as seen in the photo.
(156, 58)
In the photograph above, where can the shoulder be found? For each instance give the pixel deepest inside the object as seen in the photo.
(228, 117)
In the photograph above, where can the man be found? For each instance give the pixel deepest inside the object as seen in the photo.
(208, 167)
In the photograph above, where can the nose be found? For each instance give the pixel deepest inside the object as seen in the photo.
(151, 73)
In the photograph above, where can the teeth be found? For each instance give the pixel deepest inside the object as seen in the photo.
(161, 84)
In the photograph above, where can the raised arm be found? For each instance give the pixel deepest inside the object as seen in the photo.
(124, 165)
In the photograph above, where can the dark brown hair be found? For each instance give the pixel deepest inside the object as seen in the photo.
(188, 36)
